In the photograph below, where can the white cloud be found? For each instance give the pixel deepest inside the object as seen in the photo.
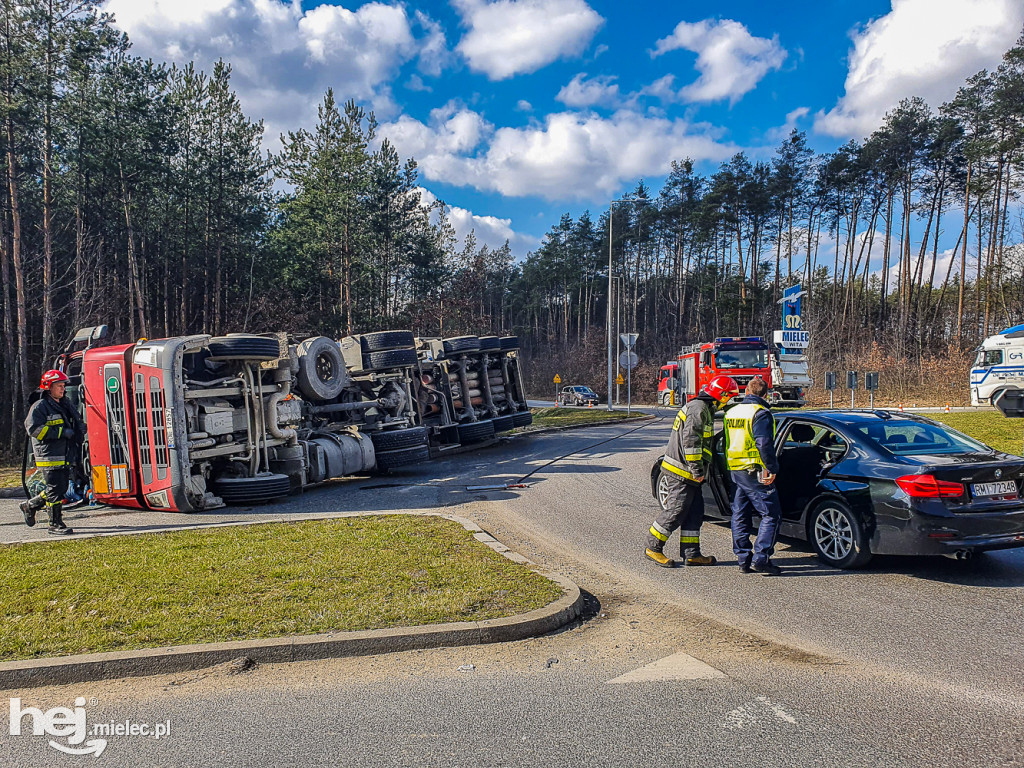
(570, 155)
(780, 132)
(511, 37)
(489, 230)
(924, 48)
(730, 60)
(581, 92)
(524, 106)
(284, 58)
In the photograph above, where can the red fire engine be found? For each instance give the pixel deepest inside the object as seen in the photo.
(741, 357)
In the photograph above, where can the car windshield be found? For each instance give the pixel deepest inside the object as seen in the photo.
(989, 357)
(918, 438)
(741, 358)
(585, 390)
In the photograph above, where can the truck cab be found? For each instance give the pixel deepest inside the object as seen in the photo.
(998, 366)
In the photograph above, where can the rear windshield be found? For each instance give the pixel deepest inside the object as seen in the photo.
(916, 439)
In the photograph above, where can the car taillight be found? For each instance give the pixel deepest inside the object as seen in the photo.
(928, 487)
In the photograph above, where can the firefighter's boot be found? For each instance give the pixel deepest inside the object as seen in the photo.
(28, 513)
(57, 527)
(659, 557)
(699, 559)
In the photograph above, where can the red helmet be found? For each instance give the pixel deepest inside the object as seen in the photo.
(52, 377)
(722, 388)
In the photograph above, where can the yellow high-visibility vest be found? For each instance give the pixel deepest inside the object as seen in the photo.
(740, 448)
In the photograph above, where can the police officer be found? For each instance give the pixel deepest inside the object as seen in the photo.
(55, 429)
(753, 464)
(685, 465)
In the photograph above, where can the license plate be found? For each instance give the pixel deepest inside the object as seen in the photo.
(1004, 488)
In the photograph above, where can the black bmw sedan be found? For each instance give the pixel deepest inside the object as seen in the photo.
(856, 483)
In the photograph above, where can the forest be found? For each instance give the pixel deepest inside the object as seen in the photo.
(140, 195)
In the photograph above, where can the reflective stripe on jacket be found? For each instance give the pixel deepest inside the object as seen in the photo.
(741, 451)
(688, 452)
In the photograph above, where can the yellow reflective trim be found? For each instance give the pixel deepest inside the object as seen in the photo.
(693, 456)
(50, 463)
(55, 422)
(42, 432)
(658, 534)
(689, 539)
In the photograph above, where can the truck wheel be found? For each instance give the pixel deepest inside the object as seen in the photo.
(244, 347)
(392, 358)
(395, 439)
(388, 460)
(385, 340)
(246, 490)
(522, 419)
(461, 344)
(509, 343)
(503, 423)
(474, 432)
(490, 344)
(322, 372)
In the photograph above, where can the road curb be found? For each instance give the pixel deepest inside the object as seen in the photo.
(567, 427)
(30, 673)
(12, 493)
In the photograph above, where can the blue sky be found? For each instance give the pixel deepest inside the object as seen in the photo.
(521, 110)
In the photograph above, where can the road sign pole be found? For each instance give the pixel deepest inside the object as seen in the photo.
(629, 389)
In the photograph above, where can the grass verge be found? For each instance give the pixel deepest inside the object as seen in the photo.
(559, 417)
(246, 582)
(990, 427)
(10, 477)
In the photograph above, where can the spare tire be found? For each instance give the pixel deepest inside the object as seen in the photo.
(385, 340)
(490, 344)
(392, 358)
(522, 419)
(388, 460)
(322, 374)
(461, 344)
(244, 347)
(246, 490)
(475, 431)
(503, 423)
(395, 439)
(509, 342)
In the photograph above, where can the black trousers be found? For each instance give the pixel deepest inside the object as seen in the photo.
(684, 509)
(57, 479)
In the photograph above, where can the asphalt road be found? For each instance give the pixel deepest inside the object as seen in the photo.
(913, 661)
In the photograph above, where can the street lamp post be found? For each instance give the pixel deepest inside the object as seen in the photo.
(611, 342)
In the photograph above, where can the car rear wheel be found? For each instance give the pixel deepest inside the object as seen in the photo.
(838, 537)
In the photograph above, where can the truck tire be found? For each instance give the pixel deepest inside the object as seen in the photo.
(509, 343)
(490, 344)
(392, 358)
(461, 344)
(246, 490)
(403, 457)
(503, 423)
(474, 432)
(322, 372)
(244, 347)
(385, 340)
(522, 419)
(396, 439)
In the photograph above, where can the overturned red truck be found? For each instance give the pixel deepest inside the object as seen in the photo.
(192, 423)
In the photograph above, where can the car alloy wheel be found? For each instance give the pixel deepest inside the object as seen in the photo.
(663, 490)
(838, 536)
(833, 534)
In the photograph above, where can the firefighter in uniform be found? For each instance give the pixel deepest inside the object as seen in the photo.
(56, 430)
(753, 464)
(685, 464)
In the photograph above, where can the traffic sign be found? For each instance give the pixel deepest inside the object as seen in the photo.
(629, 360)
(558, 379)
(629, 339)
(620, 379)
(113, 384)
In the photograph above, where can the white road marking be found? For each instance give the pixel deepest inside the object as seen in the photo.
(678, 666)
(754, 712)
